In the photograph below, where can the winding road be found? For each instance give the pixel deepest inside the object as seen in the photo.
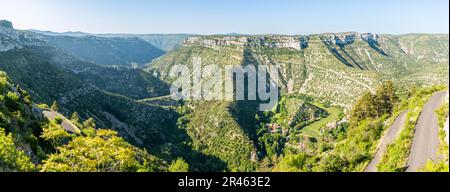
(426, 141)
(391, 135)
(66, 124)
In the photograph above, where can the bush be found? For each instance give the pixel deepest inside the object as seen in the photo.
(4, 121)
(88, 132)
(179, 166)
(105, 152)
(12, 101)
(11, 158)
(43, 106)
(55, 134)
(58, 120)
(431, 166)
(294, 163)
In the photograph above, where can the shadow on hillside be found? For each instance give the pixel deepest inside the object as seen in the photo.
(200, 162)
(153, 128)
(245, 111)
(376, 46)
(176, 144)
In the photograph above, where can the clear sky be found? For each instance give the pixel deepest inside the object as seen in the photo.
(227, 16)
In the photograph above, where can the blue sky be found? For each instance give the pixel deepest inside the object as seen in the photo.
(227, 16)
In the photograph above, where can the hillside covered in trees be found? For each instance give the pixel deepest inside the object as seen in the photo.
(31, 142)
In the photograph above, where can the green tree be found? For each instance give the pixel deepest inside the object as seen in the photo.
(12, 101)
(88, 128)
(179, 166)
(385, 98)
(331, 163)
(5, 122)
(89, 123)
(55, 134)
(12, 159)
(363, 108)
(375, 105)
(105, 152)
(75, 119)
(293, 163)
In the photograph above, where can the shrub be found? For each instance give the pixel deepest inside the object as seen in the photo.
(55, 134)
(431, 166)
(12, 101)
(58, 120)
(11, 158)
(105, 152)
(179, 166)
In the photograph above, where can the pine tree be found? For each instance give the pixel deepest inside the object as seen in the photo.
(75, 119)
(90, 123)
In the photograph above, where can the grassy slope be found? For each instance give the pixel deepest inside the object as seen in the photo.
(313, 129)
(215, 131)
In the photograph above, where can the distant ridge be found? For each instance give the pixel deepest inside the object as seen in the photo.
(166, 42)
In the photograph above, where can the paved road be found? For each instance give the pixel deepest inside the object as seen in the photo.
(426, 141)
(66, 124)
(391, 135)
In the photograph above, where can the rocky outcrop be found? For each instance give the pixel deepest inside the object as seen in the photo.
(15, 39)
(339, 38)
(214, 42)
(293, 42)
(342, 39)
(281, 41)
(369, 37)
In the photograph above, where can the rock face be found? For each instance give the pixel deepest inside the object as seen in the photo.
(339, 38)
(368, 37)
(342, 39)
(273, 41)
(15, 39)
(297, 42)
(294, 42)
(214, 42)
(6, 24)
(350, 63)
